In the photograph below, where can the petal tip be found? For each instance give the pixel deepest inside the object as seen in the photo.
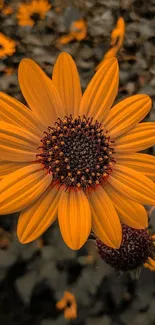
(64, 55)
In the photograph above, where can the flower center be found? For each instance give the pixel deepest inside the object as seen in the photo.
(35, 17)
(134, 251)
(77, 151)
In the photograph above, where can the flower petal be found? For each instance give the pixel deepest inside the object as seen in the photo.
(105, 224)
(17, 144)
(14, 112)
(126, 114)
(151, 262)
(133, 185)
(39, 92)
(34, 220)
(66, 79)
(21, 188)
(8, 167)
(131, 213)
(101, 91)
(74, 217)
(141, 162)
(139, 138)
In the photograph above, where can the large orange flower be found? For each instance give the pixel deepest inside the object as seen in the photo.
(86, 170)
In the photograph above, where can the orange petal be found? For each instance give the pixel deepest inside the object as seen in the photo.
(8, 167)
(141, 162)
(101, 91)
(74, 217)
(34, 221)
(151, 262)
(65, 39)
(14, 112)
(131, 213)
(106, 224)
(17, 144)
(126, 114)
(133, 185)
(21, 188)
(39, 92)
(66, 79)
(139, 138)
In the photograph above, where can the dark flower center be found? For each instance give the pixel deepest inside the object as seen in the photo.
(35, 17)
(77, 151)
(134, 251)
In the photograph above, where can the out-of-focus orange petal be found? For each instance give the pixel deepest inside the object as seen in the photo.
(78, 29)
(105, 223)
(66, 79)
(71, 311)
(14, 112)
(34, 220)
(139, 138)
(131, 213)
(101, 91)
(40, 92)
(126, 114)
(17, 144)
(133, 185)
(74, 217)
(21, 188)
(65, 39)
(117, 39)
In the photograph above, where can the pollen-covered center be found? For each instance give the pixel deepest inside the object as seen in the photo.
(77, 151)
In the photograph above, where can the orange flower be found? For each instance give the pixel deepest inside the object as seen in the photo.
(117, 39)
(29, 13)
(68, 303)
(78, 31)
(7, 10)
(73, 157)
(7, 46)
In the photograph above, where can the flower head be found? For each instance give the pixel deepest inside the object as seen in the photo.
(135, 250)
(7, 10)
(73, 157)
(7, 46)
(29, 13)
(78, 31)
(117, 39)
(68, 303)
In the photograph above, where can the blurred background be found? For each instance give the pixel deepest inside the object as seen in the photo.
(37, 280)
